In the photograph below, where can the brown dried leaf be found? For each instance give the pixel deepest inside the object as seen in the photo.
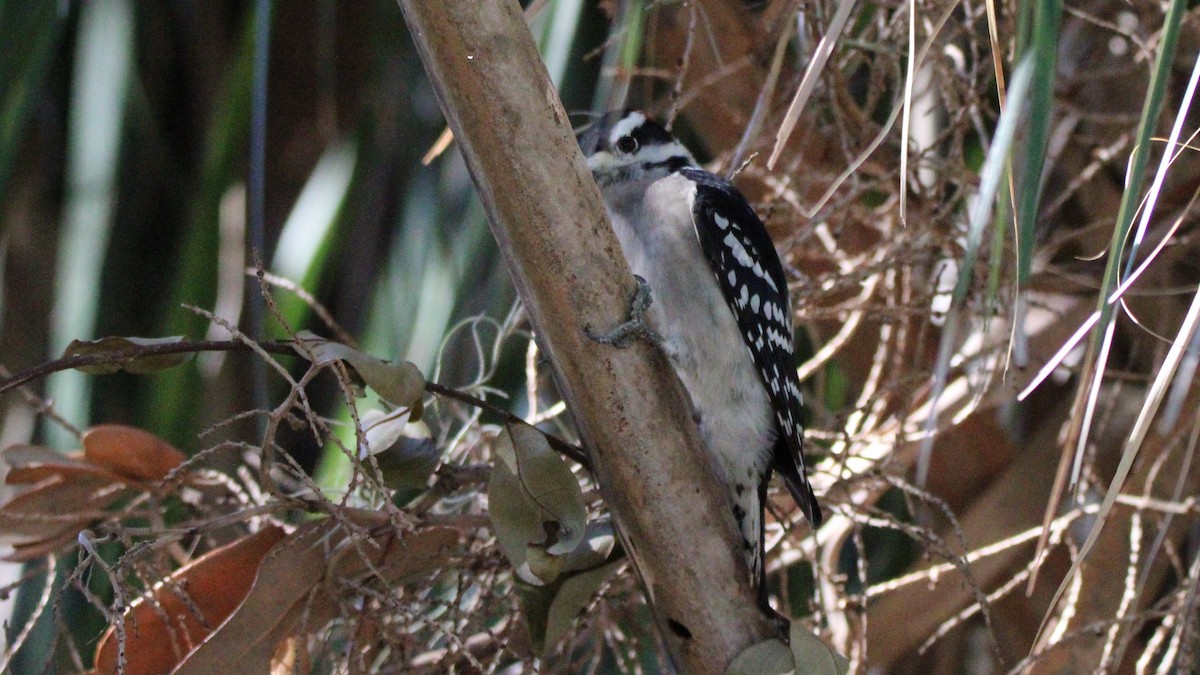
(291, 590)
(29, 464)
(40, 549)
(57, 505)
(285, 578)
(403, 559)
(215, 583)
(68, 491)
(130, 452)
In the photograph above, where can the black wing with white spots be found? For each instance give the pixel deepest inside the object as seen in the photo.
(747, 268)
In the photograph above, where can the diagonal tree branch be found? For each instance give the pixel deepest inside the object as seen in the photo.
(547, 217)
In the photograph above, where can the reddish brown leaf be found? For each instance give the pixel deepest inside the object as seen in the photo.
(30, 464)
(130, 452)
(56, 505)
(403, 558)
(214, 584)
(40, 549)
(285, 578)
(290, 591)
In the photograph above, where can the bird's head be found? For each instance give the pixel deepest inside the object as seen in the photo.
(633, 149)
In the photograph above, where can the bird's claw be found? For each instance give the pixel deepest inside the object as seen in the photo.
(621, 336)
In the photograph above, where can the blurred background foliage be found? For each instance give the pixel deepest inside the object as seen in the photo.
(124, 150)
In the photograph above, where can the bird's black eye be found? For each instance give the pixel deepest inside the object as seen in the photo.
(627, 145)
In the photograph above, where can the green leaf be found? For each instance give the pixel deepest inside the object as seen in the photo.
(812, 655)
(770, 657)
(807, 655)
(535, 610)
(39, 28)
(309, 238)
(141, 365)
(596, 549)
(547, 485)
(515, 521)
(546, 567)
(550, 608)
(403, 449)
(571, 597)
(398, 383)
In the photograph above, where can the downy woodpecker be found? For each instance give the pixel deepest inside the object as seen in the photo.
(719, 311)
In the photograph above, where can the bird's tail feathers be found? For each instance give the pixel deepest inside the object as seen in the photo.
(797, 484)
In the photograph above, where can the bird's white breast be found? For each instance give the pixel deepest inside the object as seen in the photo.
(701, 337)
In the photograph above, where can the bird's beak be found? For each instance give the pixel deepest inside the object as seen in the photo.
(592, 138)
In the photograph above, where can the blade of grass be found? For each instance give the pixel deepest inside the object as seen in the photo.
(1047, 20)
(256, 197)
(1095, 360)
(555, 30)
(1170, 153)
(308, 239)
(809, 83)
(169, 401)
(103, 67)
(1094, 363)
(906, 122)
(621, 56)
(1056, 360)
(990, 179)
(38, 28)
(1138, 434)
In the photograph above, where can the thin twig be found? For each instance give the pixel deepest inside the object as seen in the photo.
(283, 347)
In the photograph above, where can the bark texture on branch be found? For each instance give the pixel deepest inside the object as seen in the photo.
(548, 218)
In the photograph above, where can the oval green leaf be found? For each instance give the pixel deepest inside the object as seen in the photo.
(404, 450)
(812, 655)
(549, 486)
(770, 657)
(113, 345)
(515, 521)
(398, 383)
(573, 596)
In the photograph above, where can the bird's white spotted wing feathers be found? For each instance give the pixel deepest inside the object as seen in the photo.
(747, 268)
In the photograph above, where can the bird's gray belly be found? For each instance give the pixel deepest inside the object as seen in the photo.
(703, 342)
